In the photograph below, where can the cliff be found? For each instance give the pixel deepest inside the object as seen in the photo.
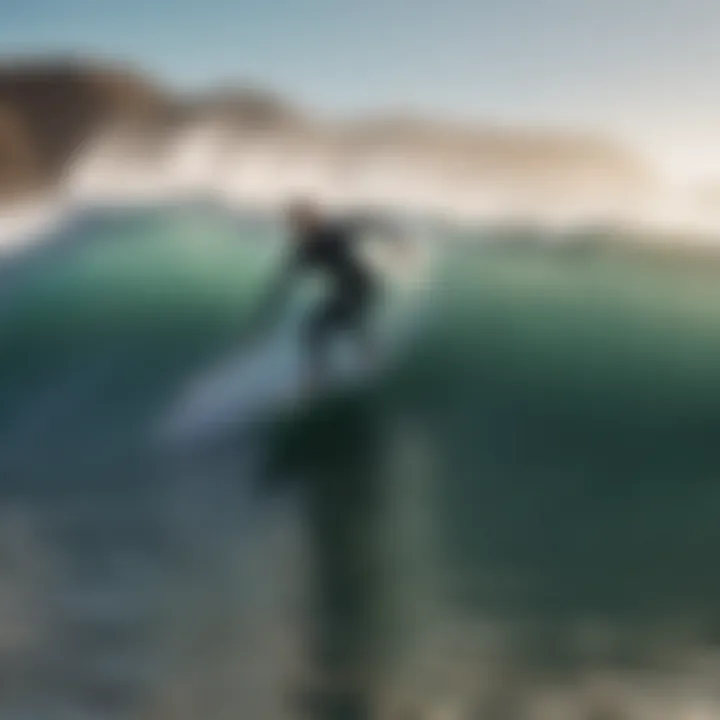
(49, 108)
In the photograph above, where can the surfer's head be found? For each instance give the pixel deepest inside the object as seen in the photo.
(303, 216)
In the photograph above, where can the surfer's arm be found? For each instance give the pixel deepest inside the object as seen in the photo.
(377, 225)
(380, 227)
(373, 227)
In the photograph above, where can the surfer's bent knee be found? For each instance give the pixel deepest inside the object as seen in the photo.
(339, 315)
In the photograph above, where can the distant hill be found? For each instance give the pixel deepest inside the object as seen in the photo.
(246, 108)
(49, 108)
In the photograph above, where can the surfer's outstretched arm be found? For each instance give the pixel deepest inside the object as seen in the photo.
(397, 246)
(380, 225)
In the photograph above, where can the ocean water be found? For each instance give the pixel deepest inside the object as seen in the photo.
(518, 519)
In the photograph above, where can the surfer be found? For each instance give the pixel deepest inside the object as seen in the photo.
(320, 244)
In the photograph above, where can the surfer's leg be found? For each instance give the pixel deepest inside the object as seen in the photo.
(317, 334)
(346, 313)
(359, 322)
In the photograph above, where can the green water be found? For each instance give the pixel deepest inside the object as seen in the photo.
(527, 499)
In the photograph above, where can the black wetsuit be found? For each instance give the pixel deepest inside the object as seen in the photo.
(330, 250)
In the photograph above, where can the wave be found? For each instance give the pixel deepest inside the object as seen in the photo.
(28, 222)
(206, 162)
(524, 523)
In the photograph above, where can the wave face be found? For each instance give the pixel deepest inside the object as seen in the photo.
(519, 518)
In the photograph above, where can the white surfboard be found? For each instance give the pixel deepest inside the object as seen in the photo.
(268, 378)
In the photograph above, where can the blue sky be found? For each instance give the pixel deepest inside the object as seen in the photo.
(644, 69)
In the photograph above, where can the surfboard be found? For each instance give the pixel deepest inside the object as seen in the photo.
(268, 379)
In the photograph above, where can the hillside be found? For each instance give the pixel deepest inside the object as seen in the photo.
(48, 109)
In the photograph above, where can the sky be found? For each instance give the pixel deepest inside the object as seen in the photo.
(643, 70)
